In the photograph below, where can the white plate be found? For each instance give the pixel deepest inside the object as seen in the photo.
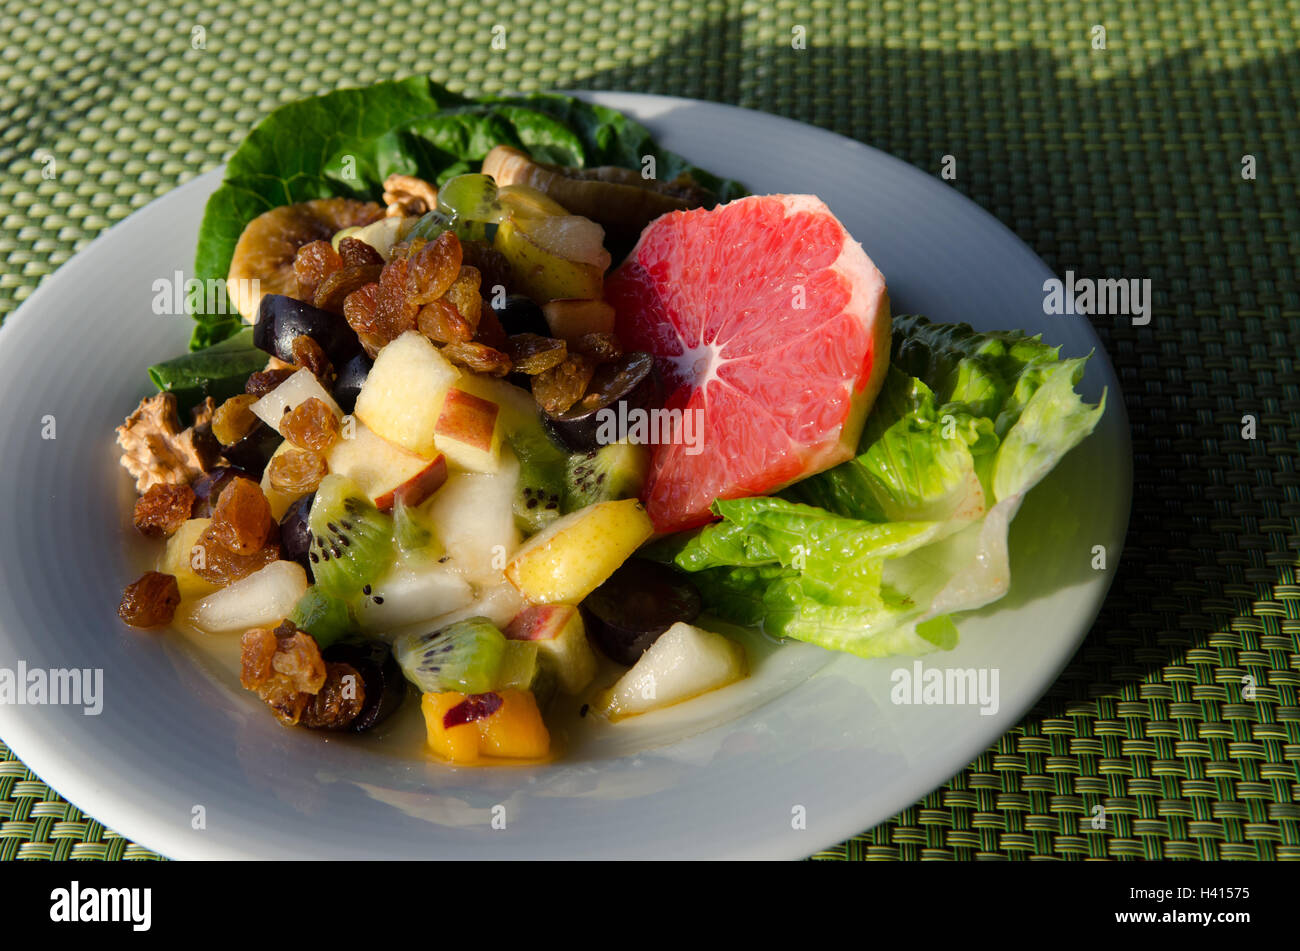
(813, 735)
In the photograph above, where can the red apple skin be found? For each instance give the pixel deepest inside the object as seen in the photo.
(417, 488)
(468, 419)
(540, 622)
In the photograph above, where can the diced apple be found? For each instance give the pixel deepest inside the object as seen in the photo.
(384, 471)
(403, 394)
(573, 556)
(541, 273)
(380, 235)
(263, 599)
(684, 662)
(468, 431)
(570, 319)
(298, 388)
(406, 595)
(558, 631)
(178, 559)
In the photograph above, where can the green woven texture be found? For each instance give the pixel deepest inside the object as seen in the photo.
(1123, 161)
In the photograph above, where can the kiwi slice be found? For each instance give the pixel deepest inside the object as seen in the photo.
(324, 617)
(611, 472)
(466, 656)
(351, 540)
(413, 532)
(540, 494)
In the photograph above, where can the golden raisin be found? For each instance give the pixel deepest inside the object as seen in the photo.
(442, 323)
(311, 425)
(264, 381)
(356, 253)
(314, 262)
(339, 700)
(433, 269)
(332, 291)
(464, 295)
(603, 348)
(213, 561)
(533, 354)
(241, 520)
(309, 354)
(561, 386)
(284, 667)
(234, 419)
(395, 307)
(296, 471)
(477, 356)
(162, 509)
(150, 600)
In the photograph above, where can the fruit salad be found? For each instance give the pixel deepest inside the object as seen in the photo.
(517, 428)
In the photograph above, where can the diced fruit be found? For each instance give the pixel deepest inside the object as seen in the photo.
(302, 386)
(684, 662)
(528, 202)
(279, 500)
(352, 541)
(262, 599)
(386, 472)
(403, 393)
(520, 665)
(516, 730)
(568, 559)
(178, 555)
(541, 273)
(473, 519)
(457, 744)
(571, 318)
(557, 630)
(414, 535)
(616, 471)
(464, 656)
(512, 730)
(640, 601)
(322, 616)
(468, 431)
(406, 595)
(383, 234)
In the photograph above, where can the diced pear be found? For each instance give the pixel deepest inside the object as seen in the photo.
(573, 556)
(406, 595)
(178, 559)
(684, 662)
(403, 394)
(473, 517)
(280, 501)
(298, 388)
(380, 235)
(541, 273)
(263, 599)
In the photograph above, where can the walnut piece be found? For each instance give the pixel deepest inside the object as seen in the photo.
(155, 449)
(406, 195)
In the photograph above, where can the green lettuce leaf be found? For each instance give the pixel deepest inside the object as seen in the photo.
(875, 555)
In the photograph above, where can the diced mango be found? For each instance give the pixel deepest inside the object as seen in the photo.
(459, 744)
(515, 731)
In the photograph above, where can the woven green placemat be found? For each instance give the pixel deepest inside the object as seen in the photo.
(1118, 161)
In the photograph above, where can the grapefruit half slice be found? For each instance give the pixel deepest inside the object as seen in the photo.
(770, 324)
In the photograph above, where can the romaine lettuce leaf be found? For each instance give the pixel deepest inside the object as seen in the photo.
(875, 555)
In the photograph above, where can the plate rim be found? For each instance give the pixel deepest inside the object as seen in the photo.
(75, 781)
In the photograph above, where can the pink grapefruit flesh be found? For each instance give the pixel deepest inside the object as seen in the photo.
(770, 321)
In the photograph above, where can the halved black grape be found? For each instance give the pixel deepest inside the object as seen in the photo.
(254, 451)
(295, 536)
(522, 315)
(348, 386)
(280, 319)
(640, 601)
(628, 381)
(384, 683)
